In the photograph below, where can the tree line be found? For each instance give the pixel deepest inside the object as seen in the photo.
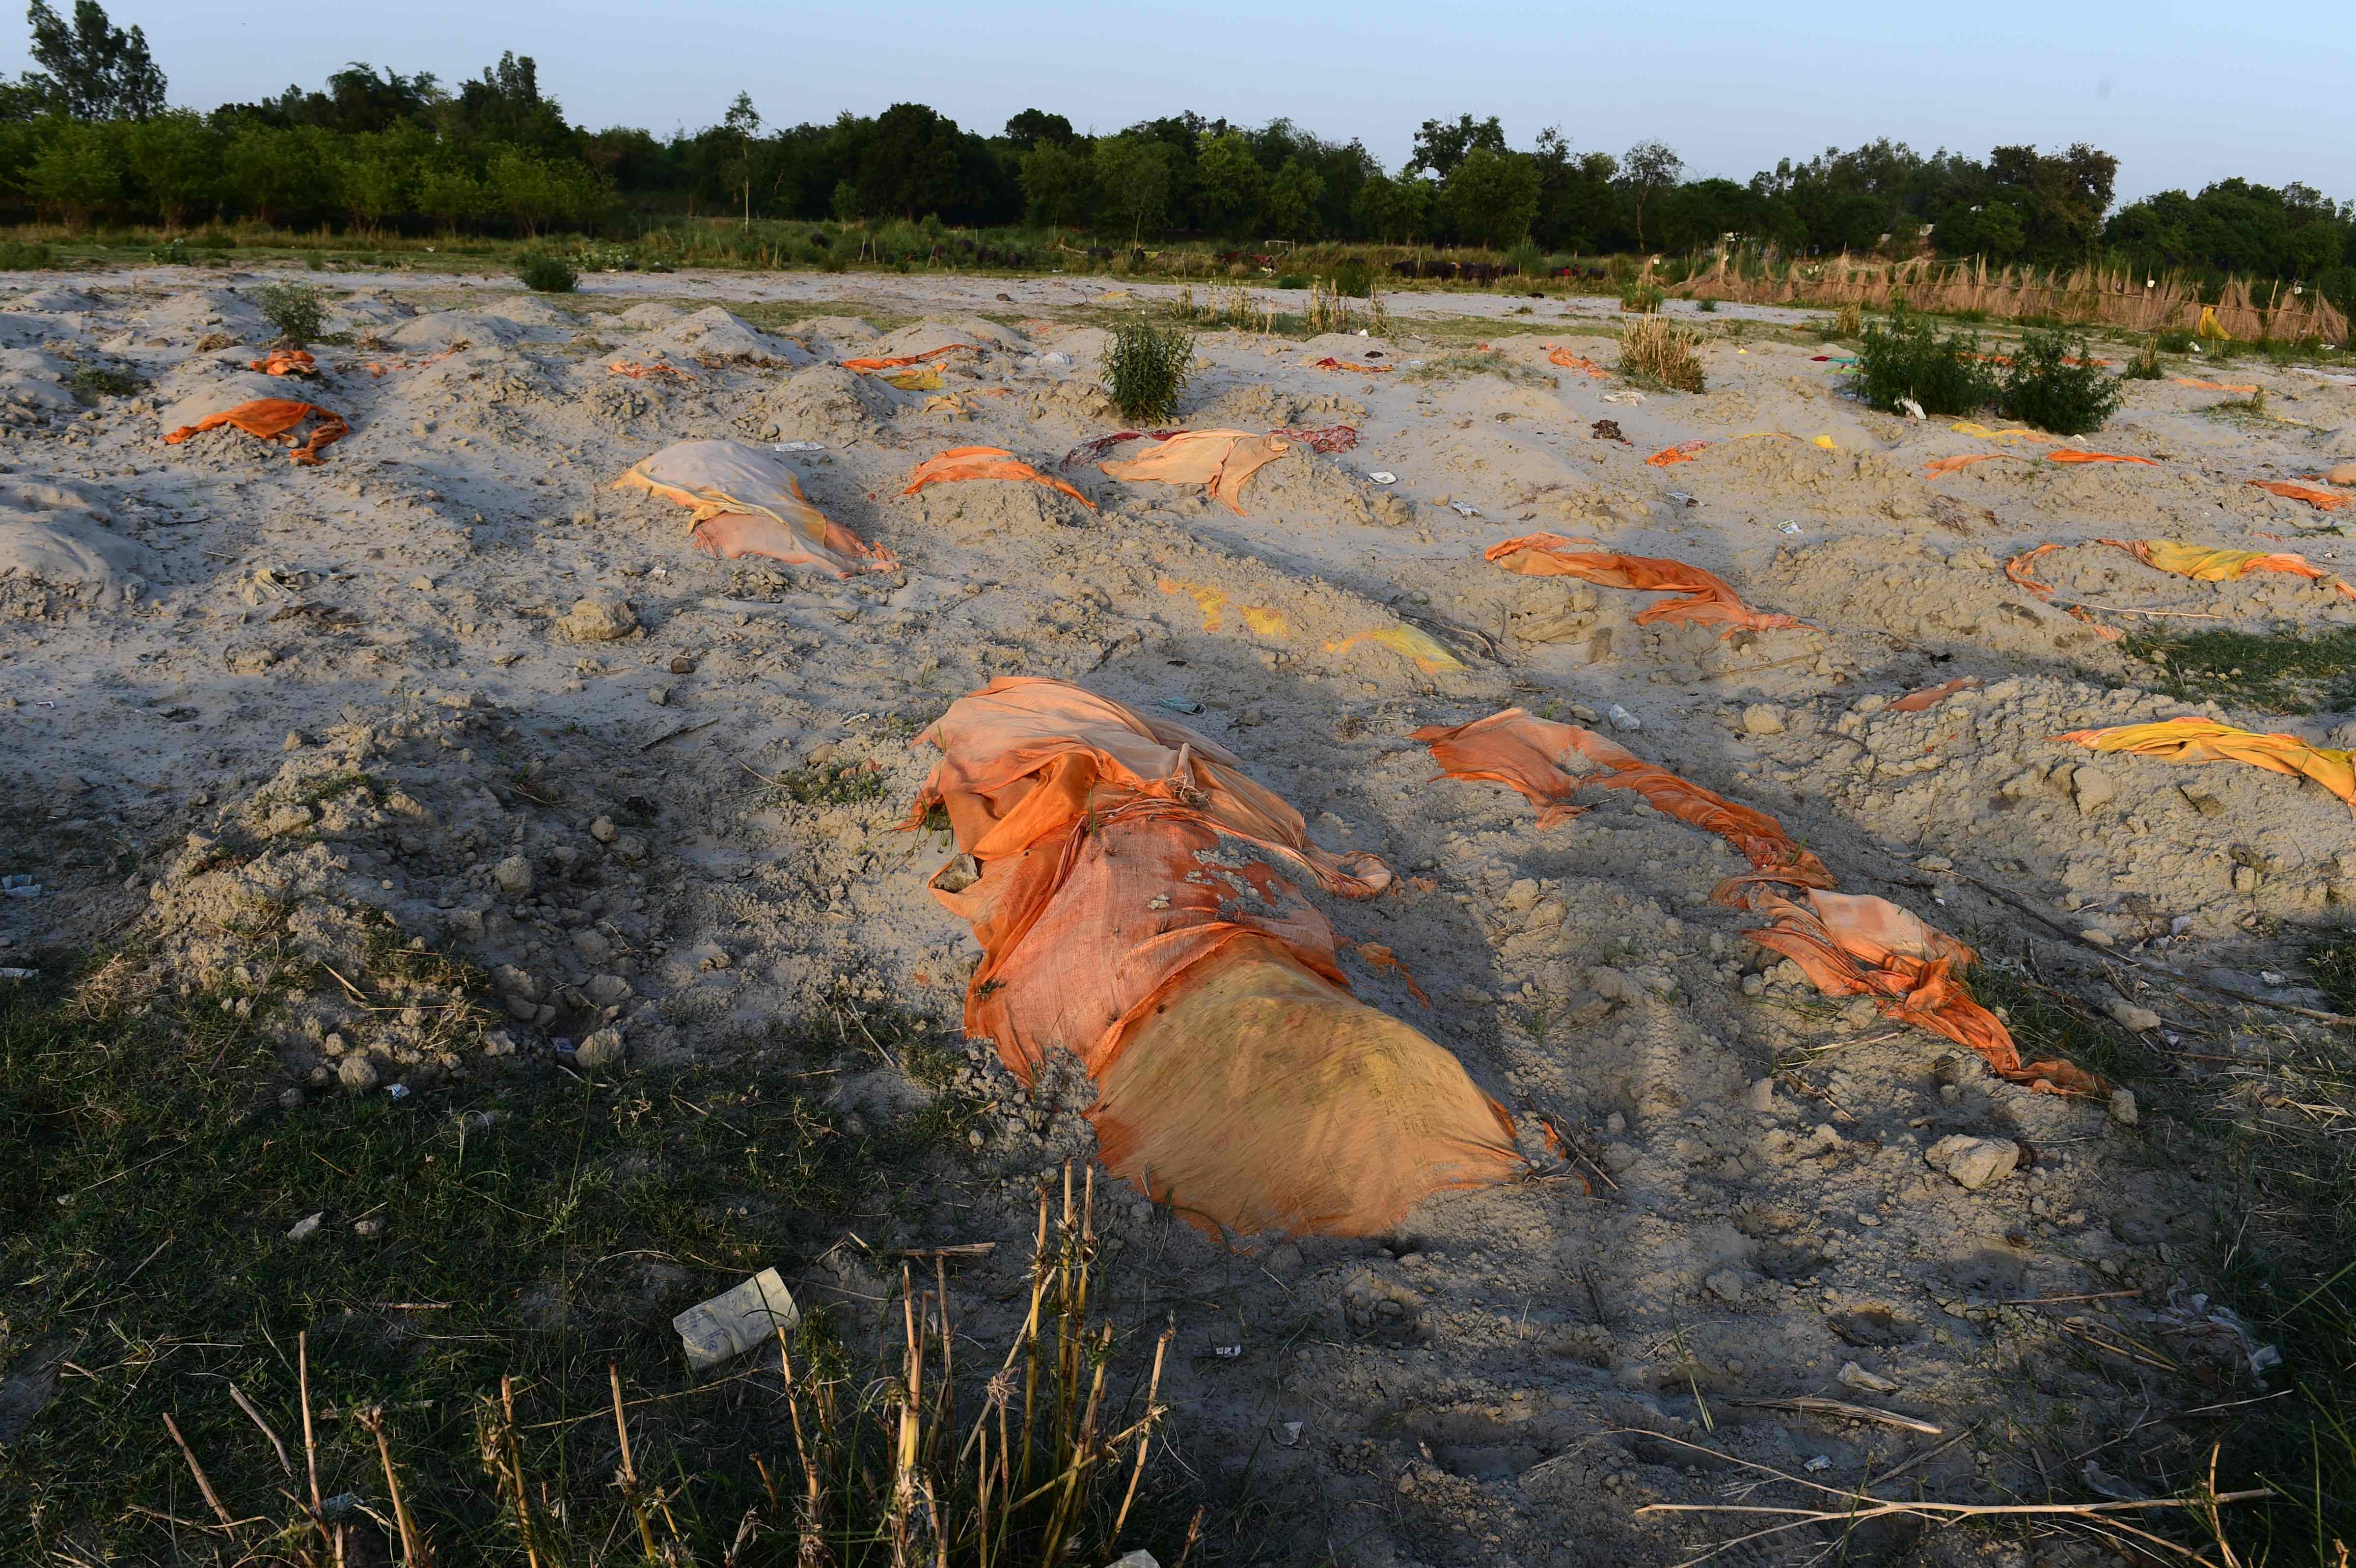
(88, 138)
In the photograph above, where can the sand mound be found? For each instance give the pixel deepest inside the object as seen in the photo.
(1305, 488)
(445, 327)
(31, 379)
(825, 402)
(530, 310)
(836, 336)
(654, 313)
(919, 337)
(1957, 604)
(210, 388)
(55, 300)
(70, 554)
(184, 318)
(713, 338)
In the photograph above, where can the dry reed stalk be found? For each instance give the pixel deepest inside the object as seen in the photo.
(628, 1476)
(254, 1415)
(514, 1459)
(414, 1552)
(204, 1484)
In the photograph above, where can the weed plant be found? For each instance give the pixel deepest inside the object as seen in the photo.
(1146, 366)
(2145, 366)
(90, 382)
(2054, 384)
(1657, 352)
(294, 309)
(1643, 299)
(1909, 357)
(547, 274)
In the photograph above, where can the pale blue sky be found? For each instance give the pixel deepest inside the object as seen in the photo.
(2182, 94)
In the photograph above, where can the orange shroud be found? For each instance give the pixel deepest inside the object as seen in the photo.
(1329, 363)
(2071, 454)
(1931, 697)
(1570, 361)
(866, 365)
(1669, 456)
(1707, 599)
(961, 463)
(274, 419)
(2321, 499)
(1221, 461)
(286, 362)
(2194, 740)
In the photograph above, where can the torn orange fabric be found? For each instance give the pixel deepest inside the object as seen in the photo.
(1329, 363)
(1524, 753)
(658, 371)
(744, 500)
(2207, 565)
(1570, 361)
(962, 462)
(1854, 944)
(1133, 910)
(1221, 461)
(1950, 465)
(1931, 697)
(1378, 957)
(2321, 500)
(1707, 599)
(2209, 386)
(2071, 454)
(2195, 740)
(274, 419)
(286, 362)
(1669, 456)
(893, 364)
(2017, 570)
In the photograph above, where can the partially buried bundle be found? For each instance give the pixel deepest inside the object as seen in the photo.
(1218, 460)
(2192, 739)
(1707, 600)
(1135, 909)
(742, 501)
(273, 419)
(963, 463)
(1848, 944)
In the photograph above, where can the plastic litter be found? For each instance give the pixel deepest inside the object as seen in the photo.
(1461, 510)
(1181, 705)
(1787, 526)
(20, 886)
(1382, 476)
(749, 1313)
(1914, 409)
(798, 446)
(399, 1091)
(17, 974)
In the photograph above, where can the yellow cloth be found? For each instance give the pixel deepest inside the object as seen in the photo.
(2190, 740)
(2210, 327)
(1406, 640)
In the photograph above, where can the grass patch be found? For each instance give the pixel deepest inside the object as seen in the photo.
(1146, 366)
(1658, 353)
(1457, 366)
(90, 382)
(832, 783)
(2145, 365)
(541, 1229)
(2277, 672)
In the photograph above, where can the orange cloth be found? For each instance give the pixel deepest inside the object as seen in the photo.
(1931, 697)
(2193, 739)
(286, 362)
(1950, 465)
(866, 365)
(1707, 599)
(2017, 569)
(1218, 460)
(1668, 457)
(273, 419)
(2322, 501)
(1570, 361)
(659, 371)
(745, 500)
(2071, 454)
(960, 462)
(2209, 386)
(1329, 363)
(1524, 753)
(2219, 565)
(1133, 910)
(1854, 944)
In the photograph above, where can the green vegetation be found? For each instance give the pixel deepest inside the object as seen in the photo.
(2145, 366)
(19, 256)
(1641, 298)
(2054, 384)
(2278, 672)
(832, 783)
(1146, 366)
(546, 274)
(294, 309)
(90, 382)
(1456, 366)
(1658, 353)
(515, 1227)
(1909, 357)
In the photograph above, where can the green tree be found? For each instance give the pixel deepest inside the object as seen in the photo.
(93, 69)
(371, 184)
(1396, 209)
(264, 171)
(1133, 174)
(742, 123)
(1440, 146)
(1492, 197)
(1033, 126)
(449, 194)
(1648, 168)
(1232, 183)
(79, 174)
(176, 162)
(1293, 198)
(1058, 186)
(529, 189)
(912, 165)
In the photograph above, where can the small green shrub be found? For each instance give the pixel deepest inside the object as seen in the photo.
(172, 253)
(1849, 320)
(2045, 388)
(294, 309)
(91, 382)
(1643, 298)
(2145, 366)
(2174, 340)
(1909, 357)
(546, 274)
(1353, 277)
(1145, 368)
(1708, 306)
(18, 256)
(1292, 281)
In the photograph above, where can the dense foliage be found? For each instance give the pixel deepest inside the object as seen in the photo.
(89, 139)
(1910, 359)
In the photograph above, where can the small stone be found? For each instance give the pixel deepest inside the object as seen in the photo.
(294, 741)
(629, 848)
(2123, 1107)
(291, 1097)
(1761, 1095)
(603, 831)
(1623, 720)
(422, 583)
(2340, 473)
(367, 1227)
(682, 666)
(594, 945)
(1522, 895)
(2141, 1019)
(2098, 936)
(1857, 1377)
(658, 695)
(498, 1042)
(357, 1073)
(1725, 1284)
(1973, 1162)
(1763, 719)
(2091, 787)
(513, 875)
(601, 1050)
(597, 618)
(307, 1226)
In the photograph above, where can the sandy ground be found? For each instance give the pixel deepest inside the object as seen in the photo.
(236, 691)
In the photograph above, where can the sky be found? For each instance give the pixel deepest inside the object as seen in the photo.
(2177, 95)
